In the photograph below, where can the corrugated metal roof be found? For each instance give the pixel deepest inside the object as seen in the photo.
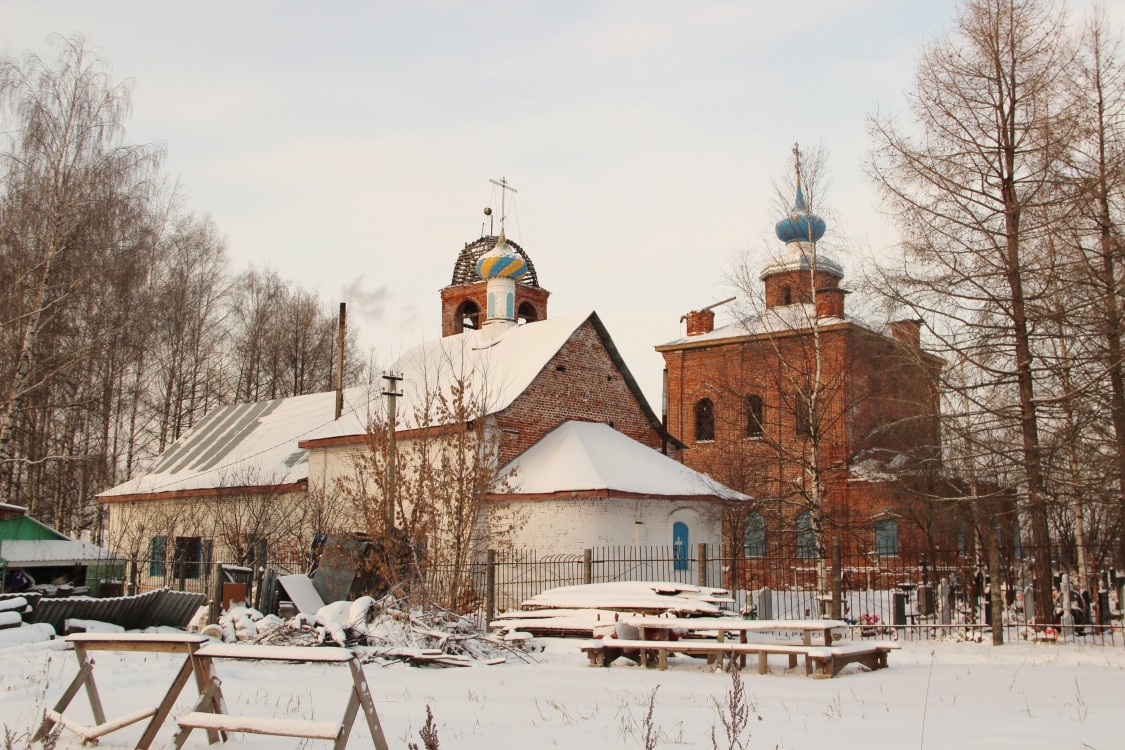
(26, 553)
(162, 607)
(242, 445)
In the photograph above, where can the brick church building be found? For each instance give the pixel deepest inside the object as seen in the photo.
(831, 426)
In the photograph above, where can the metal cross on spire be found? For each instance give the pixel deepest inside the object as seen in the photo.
(504, 187)
(797, 162)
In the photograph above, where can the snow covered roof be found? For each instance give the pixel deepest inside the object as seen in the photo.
(584, 456)
(495, 370)
(25, 553)
(242, 445)
(781, 319)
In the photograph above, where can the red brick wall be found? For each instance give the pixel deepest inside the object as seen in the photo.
(588, 386)
(876, 393)
(799, 288)
(453, 296)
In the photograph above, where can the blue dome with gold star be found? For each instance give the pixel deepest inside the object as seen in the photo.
(502, 261)
(800, 225)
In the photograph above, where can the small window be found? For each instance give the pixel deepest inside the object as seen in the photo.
(528, 313)
(802, 415)
(886, 537)
(704, 419)
(786, 296)
(467, 316)
(157, 556)
(806, 540)
(754, 538)
(680, 545)
(753, 415)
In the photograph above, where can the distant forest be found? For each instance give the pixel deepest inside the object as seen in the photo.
(121, 320)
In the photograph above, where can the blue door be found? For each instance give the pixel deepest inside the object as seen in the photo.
(680, 545)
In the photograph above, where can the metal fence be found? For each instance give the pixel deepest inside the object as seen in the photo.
(900, 596)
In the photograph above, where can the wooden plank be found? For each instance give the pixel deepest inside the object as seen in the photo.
(374, 726)
(121, 721)
(91, 687)
(165, 706)
(317, 730)
(275, 653)
(64, 700)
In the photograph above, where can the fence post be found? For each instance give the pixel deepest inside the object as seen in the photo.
(702, 555)
(216, 595)
(837, 575)
(489, 587)
(131, 578)
(587, 566)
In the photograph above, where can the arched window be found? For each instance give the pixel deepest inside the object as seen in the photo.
(704, 419)
(886, 537)
(754, 539)
(527, 313)
(786, 296)
(802, 415)
(753, 415)
(806, 540)
(467, 316)
(680, 545)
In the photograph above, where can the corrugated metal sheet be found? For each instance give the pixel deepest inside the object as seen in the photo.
(162, 607)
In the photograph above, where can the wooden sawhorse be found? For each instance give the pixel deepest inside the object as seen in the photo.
(168, 643)
(210, 713)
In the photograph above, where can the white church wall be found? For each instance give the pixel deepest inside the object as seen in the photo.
(567, 526)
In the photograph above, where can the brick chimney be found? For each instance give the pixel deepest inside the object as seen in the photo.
(908, 331)
(830, 302)
(700, 322)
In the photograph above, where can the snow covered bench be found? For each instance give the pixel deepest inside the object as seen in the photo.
(169, 643)
(210, 713)
(820, 661)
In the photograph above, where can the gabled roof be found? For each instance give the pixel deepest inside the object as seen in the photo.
(497, 370)
(241, 445)
(774, 320)
(578, 457)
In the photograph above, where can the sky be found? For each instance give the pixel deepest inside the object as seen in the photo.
(349, 145)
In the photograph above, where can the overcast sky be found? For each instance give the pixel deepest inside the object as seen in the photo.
(349, 145)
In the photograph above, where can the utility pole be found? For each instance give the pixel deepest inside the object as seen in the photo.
(390, 386)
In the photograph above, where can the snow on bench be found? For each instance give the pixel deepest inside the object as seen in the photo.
(276, 653)
(317, 730)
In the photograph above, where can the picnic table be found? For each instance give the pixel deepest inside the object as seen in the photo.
(656, 637)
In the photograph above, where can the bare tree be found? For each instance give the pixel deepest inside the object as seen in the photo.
(973, 184)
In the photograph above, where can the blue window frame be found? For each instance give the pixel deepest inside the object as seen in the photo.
(806, 540)
(886, 537)
(157, 555)
(680, 545)
(754, 538)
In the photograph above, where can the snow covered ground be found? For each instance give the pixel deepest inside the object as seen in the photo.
(945, 695)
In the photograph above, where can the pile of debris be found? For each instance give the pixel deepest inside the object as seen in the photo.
(381, 631)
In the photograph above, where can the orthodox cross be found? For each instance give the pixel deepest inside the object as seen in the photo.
(797, 160)
(504, 187)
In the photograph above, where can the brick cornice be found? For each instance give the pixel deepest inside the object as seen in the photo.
(265, 489)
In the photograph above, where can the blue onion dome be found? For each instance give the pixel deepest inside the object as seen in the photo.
(800, 225)
(502, 261)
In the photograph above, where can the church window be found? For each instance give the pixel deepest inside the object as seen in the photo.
(467, 316)
(753, 415)
(528, 313)
(886, 537)
(802, 415)
(680, 545)
(704, 419)
(806, 540)
(786, 296)
(754, 537)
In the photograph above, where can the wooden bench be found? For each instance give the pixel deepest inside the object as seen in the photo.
(820, 661)
(211, 714)
(83, 643)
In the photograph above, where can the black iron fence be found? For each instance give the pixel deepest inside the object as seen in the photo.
(895, 596)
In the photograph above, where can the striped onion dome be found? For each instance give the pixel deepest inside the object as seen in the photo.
(502, 261)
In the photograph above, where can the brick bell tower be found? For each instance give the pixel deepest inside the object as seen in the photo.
(464, 303)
